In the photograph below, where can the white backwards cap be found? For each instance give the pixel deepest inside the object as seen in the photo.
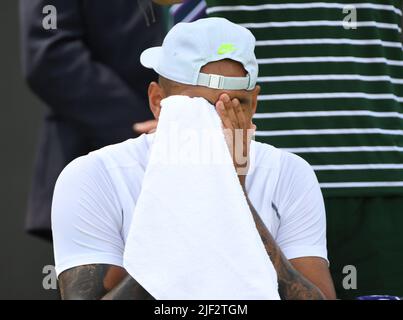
(189, 46)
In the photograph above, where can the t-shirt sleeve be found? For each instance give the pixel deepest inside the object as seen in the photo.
(302, 229)
(86, 219)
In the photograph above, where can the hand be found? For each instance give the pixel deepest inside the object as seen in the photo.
(145, 127)
(238, 131)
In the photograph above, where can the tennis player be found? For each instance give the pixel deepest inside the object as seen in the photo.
(95, 195)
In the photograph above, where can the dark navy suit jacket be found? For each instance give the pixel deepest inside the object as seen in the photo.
(87, 72)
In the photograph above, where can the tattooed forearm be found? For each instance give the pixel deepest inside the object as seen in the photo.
(100, 281)
(292, 285)
(82, 283)
(128, 289)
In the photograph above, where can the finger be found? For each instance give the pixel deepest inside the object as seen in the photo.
(145, 127)
(230, 110)
(222, 112)
(240, 114)
(239, 140)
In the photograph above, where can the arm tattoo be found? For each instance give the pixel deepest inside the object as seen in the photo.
(291, 284)
(128, 289)
(87, 282)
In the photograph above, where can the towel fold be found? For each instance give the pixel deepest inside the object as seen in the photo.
(192, 234)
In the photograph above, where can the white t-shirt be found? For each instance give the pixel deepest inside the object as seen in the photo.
(95, 197)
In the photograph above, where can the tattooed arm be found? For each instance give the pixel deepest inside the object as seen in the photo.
(292, 284)
(100, 282)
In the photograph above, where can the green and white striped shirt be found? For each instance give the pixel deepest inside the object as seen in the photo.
(330, 94)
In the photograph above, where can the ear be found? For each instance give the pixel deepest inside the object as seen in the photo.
(155, 95)
(255, 93)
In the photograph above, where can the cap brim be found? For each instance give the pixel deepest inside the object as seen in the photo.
(150, 57)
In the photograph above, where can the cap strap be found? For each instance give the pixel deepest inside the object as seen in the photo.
(216, 81)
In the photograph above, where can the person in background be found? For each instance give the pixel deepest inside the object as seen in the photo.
(332, 92)
(87, 72)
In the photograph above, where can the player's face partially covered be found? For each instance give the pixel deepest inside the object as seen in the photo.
(229, 68)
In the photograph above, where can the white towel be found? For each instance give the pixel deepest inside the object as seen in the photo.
(192, 234)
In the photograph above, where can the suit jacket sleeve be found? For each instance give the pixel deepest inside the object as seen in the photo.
(59, 68)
